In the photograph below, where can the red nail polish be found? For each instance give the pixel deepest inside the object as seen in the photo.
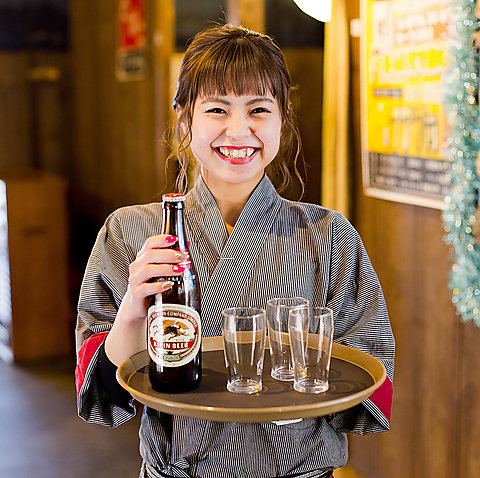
(170, 239)
(178, 268)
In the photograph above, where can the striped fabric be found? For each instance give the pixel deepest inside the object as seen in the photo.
(277, 248)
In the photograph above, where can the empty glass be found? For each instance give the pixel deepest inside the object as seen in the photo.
(244, 334)
(311, 337)
(278, 312)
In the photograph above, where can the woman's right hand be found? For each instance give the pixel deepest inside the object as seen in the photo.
(155, 259)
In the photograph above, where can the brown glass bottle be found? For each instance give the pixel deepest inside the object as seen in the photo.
(174, 329)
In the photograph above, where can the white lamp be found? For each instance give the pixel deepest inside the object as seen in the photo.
(319, 9)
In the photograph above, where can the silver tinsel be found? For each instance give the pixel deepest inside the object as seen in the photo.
(462, 109)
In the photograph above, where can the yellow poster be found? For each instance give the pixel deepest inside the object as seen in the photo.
(405, 52)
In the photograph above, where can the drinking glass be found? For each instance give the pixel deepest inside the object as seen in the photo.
(278, 312)
(311, 337)
(244, 333)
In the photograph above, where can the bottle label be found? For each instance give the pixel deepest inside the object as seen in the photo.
(174, 334)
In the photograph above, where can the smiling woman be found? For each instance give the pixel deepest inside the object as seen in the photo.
(249, 245)
(234, 138)
(223, 65)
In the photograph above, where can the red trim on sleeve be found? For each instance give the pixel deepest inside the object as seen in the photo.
(382, 397)
(89, 347)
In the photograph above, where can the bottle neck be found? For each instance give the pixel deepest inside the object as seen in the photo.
(173, 225)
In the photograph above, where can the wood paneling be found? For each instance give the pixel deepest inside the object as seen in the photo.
(42, 317)
(120, 154)
(306, 69)
(50, 80)
(438, 349)
(436, 394)
(248, 13)
(35, 101)
(468, 458)
(16, 120)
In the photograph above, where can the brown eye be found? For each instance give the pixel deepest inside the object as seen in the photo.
(259, 110)
(216, 111)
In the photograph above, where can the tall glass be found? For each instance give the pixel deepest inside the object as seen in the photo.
(244, 335)
(278, 312)
(311, 337)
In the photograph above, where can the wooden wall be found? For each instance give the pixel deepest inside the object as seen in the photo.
(120, 154)
(436, 410)
(35, 101)
(35, 129)
(306, 69)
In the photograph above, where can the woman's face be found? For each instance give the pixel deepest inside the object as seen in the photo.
(234, 138)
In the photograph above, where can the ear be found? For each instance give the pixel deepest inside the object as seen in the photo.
(181, 119)
(178, 110)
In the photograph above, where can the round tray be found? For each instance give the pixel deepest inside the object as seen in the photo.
(354, 376)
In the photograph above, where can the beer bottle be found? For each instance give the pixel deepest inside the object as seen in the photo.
(174, 329)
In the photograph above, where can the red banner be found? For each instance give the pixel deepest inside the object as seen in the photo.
(132, 24)
(132, 40)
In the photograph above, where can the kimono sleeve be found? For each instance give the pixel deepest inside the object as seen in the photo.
(104, 284)
(362, 322)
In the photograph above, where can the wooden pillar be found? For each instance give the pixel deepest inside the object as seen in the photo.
(163, 51)
(120, 122)
(248, 13)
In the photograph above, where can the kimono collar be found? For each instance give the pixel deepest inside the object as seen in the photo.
(263, 192)
(224, 259)
(264, 198)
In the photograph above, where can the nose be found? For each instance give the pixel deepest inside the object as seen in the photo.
(238, 127)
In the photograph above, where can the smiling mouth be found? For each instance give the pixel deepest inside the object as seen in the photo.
(236, 155)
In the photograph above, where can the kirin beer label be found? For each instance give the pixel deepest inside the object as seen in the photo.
(174, 334)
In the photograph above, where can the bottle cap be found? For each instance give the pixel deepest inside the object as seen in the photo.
(173, 197)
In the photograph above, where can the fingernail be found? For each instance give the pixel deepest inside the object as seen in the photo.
(170, 239)
(178, 268)
(182, 255)
(167, 285)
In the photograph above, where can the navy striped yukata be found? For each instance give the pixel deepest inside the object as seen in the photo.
(277, 248)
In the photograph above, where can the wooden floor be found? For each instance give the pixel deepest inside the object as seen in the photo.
(348, 472)
(42, 437)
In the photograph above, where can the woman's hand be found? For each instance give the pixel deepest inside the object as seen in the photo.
(153, 260)
(128, 334)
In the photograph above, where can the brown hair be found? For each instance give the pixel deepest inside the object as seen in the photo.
(228, 59)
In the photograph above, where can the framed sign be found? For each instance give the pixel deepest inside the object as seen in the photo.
(404, 126)
(131, 63)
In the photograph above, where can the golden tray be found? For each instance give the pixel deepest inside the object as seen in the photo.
(354, 376)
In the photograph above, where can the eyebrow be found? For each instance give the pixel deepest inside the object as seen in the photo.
(220, 99)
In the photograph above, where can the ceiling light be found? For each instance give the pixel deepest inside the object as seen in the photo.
(319, 9)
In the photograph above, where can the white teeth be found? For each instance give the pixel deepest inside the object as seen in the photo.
(236, 153)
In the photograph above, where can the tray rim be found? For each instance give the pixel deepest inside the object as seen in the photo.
(255, 414)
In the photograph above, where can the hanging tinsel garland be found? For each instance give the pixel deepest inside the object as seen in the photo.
(462, 109)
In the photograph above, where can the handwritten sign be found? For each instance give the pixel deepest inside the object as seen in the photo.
(405, 57)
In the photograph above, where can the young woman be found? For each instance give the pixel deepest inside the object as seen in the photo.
(248, 245)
